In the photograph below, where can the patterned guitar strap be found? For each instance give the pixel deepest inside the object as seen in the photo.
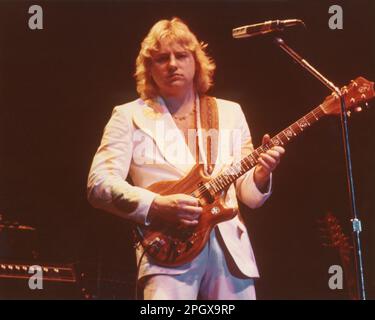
(209, 116)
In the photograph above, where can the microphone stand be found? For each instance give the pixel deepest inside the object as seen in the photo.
(356, 223)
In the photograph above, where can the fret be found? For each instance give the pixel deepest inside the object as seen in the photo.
(313, 113)
(219, 182)
(276, 141)
(241, 171)
(282, 137)
(232, 171)
(245, 164)
(254, 160)
(230, 177)
(228, 173)
(225, 177)
(320, 110)
(263, 148)
(310, 119)
(226, 183)
(302, 123)
(305, 118)
(222, 180)
(286, 138)
(238, 168)
(214, 186)
(296, 128)
(230, 180)
(244, 170)
(248, 162)
(256, 153)
(251, 160)
(290, 132)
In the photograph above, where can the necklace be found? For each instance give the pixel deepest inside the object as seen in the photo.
(185, 116)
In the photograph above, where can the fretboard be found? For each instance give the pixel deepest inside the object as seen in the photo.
(231, 174)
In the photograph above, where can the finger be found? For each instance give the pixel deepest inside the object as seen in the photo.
(192, 209)
(188, 223)
(268, 159)
(266, 138)
(274, 154)
(188, 218)
(189, 200)
(191, 212)
(264, 164)
(279, 149)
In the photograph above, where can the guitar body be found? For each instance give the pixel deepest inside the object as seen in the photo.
(169, 246)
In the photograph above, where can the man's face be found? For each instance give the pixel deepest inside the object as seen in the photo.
(173, 69)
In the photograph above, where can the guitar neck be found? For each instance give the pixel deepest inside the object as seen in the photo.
(231, 174)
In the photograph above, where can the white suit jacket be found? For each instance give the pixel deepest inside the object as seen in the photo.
(144, 142)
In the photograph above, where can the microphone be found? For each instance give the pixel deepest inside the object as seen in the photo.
(264, 27)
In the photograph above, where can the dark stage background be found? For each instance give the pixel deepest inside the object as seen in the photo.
(58, 88)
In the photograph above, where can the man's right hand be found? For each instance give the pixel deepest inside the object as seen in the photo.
(177, 209)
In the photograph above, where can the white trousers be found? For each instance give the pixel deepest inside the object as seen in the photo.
(211, 277)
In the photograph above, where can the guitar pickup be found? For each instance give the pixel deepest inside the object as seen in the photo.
(156, 244)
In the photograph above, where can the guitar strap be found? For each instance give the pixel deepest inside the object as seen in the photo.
(209, 116)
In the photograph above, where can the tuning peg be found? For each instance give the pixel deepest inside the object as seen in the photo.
(344, 90)
(348, 113)
(352, 100)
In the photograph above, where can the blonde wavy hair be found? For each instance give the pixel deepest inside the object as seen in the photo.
(173, 30)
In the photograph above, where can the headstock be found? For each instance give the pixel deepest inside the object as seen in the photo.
(359, 91)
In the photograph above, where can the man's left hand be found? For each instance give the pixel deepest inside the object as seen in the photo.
(268, 161)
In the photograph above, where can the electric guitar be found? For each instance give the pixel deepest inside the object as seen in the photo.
(173, 246)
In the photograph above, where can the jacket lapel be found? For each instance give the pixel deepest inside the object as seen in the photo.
(155, 120)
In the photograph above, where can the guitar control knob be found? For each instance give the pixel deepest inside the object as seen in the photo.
(215, 210)
(189, 244)
(156, 244)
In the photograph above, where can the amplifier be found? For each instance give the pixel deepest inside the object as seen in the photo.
(38, 281)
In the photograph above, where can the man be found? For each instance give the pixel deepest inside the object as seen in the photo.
(150, 140)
